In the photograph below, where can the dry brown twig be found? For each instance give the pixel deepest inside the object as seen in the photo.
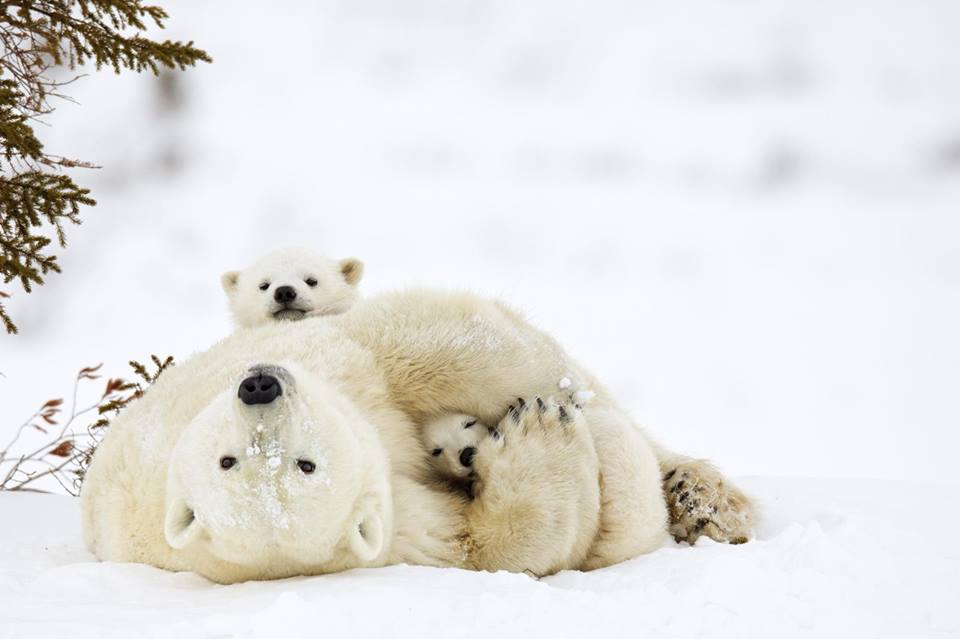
(66, 453)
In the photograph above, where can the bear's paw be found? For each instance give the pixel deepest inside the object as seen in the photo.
(702, 502)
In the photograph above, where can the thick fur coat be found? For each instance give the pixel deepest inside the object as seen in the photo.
(561, 486)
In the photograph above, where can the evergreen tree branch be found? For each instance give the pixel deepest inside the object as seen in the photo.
(37, 202)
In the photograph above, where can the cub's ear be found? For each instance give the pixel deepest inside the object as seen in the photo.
(180, 527)
(352, 270)
(366, 537)
(229, 281)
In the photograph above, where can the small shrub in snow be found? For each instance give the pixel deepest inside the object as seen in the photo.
(66, 453)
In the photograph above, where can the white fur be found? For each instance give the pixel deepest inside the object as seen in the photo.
(335, 290)
(446, 437)
(558, 492)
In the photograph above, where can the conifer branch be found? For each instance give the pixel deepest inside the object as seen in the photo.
(37, 201)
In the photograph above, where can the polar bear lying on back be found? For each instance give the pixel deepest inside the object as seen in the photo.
(292, 449)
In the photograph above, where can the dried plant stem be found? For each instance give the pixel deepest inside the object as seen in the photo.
(71, 450)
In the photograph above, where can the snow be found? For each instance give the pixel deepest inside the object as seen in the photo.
(584, 396)
(833, 558)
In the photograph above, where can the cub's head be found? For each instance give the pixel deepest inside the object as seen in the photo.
(290, 284)
(280, 474)
(451, 442)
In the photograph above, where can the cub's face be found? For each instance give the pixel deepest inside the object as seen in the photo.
(279, 470)
(291, 284)
(451, 442)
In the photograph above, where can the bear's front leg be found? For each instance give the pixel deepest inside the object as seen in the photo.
(537, 494)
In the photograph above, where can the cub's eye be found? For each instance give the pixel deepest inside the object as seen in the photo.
(227, 463)
(311, 282)
(436, 452)
(265, 286)
(469, 424)
(306, 466)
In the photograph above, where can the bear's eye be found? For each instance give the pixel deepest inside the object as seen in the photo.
(265, 286)
(436, 452)
(469, 424)
(227, 462)
(306, 466)
(311, 282)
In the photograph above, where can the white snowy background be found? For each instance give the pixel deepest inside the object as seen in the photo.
(744, 216)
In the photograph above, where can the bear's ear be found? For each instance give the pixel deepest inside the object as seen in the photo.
(366, 537)
(229, 281)
(352, 270)
(180, 526)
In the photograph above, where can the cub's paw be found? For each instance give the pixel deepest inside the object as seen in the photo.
(701, 502)
(536, 437)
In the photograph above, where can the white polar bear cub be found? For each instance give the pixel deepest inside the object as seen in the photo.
(290, 284)
(452, 441)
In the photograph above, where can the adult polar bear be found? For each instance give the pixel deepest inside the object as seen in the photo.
(292, 449)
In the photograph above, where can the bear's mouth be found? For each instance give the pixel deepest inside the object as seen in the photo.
(289, 314)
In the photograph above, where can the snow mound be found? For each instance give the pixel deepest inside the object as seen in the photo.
(832, 558)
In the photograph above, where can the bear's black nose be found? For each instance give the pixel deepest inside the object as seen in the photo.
(259, 389)
(285, 294)
(466, 456)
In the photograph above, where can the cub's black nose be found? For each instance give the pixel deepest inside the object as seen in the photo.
(467, 455)
(285, 294)
(259, 389)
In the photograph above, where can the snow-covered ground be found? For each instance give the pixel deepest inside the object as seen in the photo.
(743, 216)
(833, 559)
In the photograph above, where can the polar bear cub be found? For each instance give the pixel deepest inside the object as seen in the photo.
(452, 441)
(290, 284)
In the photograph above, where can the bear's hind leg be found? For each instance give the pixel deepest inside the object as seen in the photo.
(633, 516)
(702, 501)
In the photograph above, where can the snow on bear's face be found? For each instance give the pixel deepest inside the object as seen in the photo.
(279, 470)
(451, 441)
(290, 284)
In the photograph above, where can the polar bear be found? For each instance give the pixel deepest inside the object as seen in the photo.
(293, 450)
(451, 441)
(290, 284)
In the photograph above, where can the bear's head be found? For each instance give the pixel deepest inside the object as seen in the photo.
(290, 284)
(452, 441)
(280, 474)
